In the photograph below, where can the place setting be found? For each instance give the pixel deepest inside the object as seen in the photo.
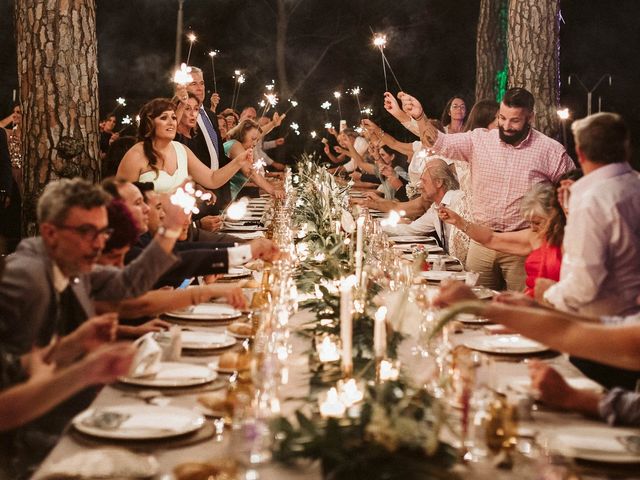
(206, 312)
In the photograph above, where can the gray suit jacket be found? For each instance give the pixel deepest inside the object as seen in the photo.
(28, 300)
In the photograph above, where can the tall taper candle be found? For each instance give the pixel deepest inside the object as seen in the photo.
(346, 326)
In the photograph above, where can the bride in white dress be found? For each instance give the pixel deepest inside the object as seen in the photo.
(157, 158)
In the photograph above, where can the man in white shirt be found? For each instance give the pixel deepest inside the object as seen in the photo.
(440, 186)
(600, 272)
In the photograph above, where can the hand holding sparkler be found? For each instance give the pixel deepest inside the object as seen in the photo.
(391, 105)
(278, 119)
(192, 38)
(411, 106)
(214, 101)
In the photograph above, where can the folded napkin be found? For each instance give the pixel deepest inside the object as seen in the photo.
(147, 359)
(580, 443)
(104, 463)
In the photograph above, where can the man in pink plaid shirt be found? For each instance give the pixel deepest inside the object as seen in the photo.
(505, 163)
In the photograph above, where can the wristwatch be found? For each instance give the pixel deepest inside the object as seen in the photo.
(169, 232)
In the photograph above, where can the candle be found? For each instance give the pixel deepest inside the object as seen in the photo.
(346, 327)
(350, 394)
(388, 371)
(380, 333)
(332, 406)
(338, 227)
(328, 350)
(359, 240)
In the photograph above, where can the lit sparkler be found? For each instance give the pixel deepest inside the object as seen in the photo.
(380, 42)
(368, 111)
(192, 38)
(313, 134)
(328, 125)
(355, 91)
(259, 165)
(126, 120)
(121, 102)
(337, 96)
(213, 54)
(326, 105)
(237, 209)
(183, 75)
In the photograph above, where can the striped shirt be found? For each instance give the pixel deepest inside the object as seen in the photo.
(501, 174)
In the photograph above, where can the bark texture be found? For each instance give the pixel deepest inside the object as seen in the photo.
(491, 49)
(58, 76)
(534, 56)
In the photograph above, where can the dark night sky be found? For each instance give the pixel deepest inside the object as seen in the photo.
(431, 49)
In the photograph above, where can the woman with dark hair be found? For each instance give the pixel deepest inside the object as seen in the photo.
(453, 115)
(483, 114)
(541, 242)
(242, 139)
(157, 158)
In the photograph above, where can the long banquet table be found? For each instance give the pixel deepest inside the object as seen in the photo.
(504, 370)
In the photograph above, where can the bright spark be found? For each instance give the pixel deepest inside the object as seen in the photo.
(121, 101)
(380, 40)
(326, 105)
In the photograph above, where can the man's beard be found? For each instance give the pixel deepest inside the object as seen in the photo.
(516, 137)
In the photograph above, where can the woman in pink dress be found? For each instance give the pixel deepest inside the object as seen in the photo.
(541, 243)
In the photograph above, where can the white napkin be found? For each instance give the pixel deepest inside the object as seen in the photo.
(105, 463)
(590, 444)
(249, 235)
(147, 358)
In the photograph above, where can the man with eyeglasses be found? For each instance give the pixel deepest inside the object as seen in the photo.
(49, 283)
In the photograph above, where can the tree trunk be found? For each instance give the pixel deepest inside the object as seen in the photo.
(58, 75)
(534, 56)
(491, 50)
(282, 23)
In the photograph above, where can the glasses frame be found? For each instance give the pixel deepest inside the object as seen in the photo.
(88, 232)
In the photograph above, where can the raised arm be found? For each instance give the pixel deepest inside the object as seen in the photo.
(514, 243)
(386, 139)
(216, 178)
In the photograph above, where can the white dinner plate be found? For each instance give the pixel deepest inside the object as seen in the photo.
(174, 374)
(471, 319)
(207, 311)
(523, 384)
(237, 335)
(243, 228)
(439, 275)
(137, 422)
(505, 344)
(237, 272)
(412, 239)
(200, 339)
(597, 444)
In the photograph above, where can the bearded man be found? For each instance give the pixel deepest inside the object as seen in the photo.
(505, 163)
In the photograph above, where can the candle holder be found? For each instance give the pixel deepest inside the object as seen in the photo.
(387, 370)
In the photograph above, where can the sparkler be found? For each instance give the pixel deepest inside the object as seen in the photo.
(237, 210)
(328, 125)
(121, 102)
(183, 75)
(355, 91)
(380, 42)
(368, 111)
(313, 134)
(126, 121)
(272, 101)
(192, 38)
(294, 104)
(213, 54)
(337, 96)
(240, 79)
(187, 198)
